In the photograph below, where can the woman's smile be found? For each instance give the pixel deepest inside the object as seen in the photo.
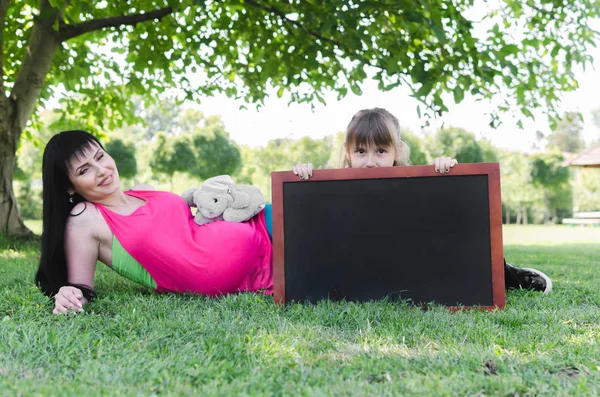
(107, 180)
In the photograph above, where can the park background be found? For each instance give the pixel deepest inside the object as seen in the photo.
(177, 146)
(174, 143)
(181, 90)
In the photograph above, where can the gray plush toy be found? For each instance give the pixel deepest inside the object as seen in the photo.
(220, 199)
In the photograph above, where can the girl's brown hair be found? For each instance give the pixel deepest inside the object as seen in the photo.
(375, 127)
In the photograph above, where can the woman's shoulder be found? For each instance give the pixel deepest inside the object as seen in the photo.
(84, 214)
(86, 222)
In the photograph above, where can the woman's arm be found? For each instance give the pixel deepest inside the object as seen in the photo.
(82, 249)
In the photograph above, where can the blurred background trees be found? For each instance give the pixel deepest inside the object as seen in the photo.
(179, 147)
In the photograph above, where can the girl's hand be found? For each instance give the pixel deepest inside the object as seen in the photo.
(443, 164)
(68, 299)
(304, 171)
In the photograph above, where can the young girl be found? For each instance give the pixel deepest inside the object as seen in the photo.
(373, 140)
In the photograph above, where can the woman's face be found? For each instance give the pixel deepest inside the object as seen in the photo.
(94, 176)
(371, 156)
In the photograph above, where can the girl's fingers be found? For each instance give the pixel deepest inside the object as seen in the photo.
(436, 164)
(297, 170)
(447, 164)
(453, 163)
(304, 171)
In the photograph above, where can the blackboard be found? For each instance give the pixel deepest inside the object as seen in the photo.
(396, 232)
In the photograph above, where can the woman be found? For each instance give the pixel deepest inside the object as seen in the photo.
(150, 234)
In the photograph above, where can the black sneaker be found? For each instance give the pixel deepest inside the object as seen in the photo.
(526, 278)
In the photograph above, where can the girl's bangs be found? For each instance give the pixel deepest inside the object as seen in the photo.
(369, 131)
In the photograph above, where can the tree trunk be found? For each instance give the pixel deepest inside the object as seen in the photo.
(546, 209)
(507, 219)
(525, 218)
(16, 110)
(10, 220)
(519, 209)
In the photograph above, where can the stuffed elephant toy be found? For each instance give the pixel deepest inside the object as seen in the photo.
(247, 201)
(220, 199)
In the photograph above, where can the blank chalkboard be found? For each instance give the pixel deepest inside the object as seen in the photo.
(397, 233)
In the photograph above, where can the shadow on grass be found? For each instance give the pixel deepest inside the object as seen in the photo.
(28, 243)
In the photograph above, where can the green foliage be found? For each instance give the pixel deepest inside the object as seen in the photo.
(198, 155)
(132, 342)
(282, 155)
(586, 189)
(459, 144)
(172, 154)
(306, 48)
(215, 153)
(490, 153)
(101, 54)
(567, 134)
(248, 171)
(547, 171)
(548, 174)
(29, 199)
(418, 155)
(519, 196)
(124, 156)
(19, 174)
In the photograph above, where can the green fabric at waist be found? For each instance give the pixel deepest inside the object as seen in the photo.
(126, 266)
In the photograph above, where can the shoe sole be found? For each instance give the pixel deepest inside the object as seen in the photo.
(544, 276)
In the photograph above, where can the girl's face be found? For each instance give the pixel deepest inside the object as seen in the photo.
(94, 176)
(371, 156)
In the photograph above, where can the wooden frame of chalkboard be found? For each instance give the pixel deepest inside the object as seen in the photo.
(397, 232)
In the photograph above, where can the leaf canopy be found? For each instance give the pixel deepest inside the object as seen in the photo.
(521, 54)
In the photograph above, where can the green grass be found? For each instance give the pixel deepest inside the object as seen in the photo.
(134, 342)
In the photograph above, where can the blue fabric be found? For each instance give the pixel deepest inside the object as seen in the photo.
(269, 219)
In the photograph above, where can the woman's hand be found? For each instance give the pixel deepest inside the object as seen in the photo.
(304, 171)
(68, 299)
(443, 164)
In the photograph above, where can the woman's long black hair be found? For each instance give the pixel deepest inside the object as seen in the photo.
(62, 149)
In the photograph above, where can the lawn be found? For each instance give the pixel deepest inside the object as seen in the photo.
(131, 341)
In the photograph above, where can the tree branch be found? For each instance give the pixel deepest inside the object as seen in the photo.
(42, 46)
(298, 25)
(70, 31)
(3, 10)
(343, 47)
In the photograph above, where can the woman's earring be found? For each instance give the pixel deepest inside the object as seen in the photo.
(71, 198)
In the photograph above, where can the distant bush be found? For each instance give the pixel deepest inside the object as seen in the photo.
(29, 199)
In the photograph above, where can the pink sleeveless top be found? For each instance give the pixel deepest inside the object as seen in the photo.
(214, 259)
